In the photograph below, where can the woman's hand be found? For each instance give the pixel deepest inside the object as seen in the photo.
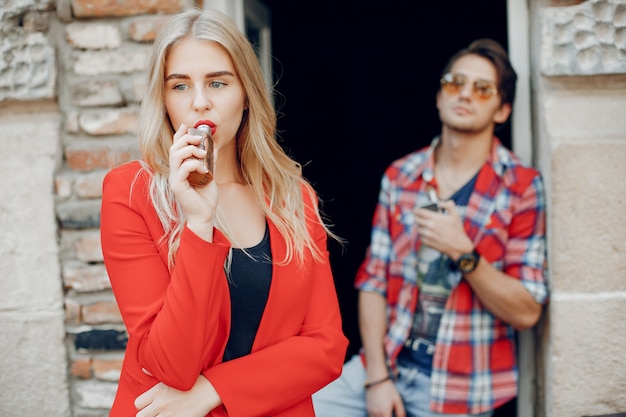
(199, 204)
(164, 401)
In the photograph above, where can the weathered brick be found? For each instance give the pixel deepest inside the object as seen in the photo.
(145, 28)
(93, 36)
(134, 88)
(90, 156)
(81, 368)
(72, 311)
(71, 121)
(79, 214)
(94, 93)
(120, 61)
(63, 185)
(82, 277)
(102, 312)
(90, 185)
(94, 394)
(93, 8)
(99, 339)
(109, 121)
(107, 369)
(87, 247)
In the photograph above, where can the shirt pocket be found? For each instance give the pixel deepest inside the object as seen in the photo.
(495, 236)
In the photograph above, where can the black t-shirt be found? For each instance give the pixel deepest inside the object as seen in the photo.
(434, 279)
(249, 282)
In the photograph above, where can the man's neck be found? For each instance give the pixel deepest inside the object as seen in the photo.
(464, 151)
(458, 158)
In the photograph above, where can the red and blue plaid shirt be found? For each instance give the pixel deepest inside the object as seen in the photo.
(474, 366)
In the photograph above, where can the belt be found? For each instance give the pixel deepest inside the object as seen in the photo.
(414, 344)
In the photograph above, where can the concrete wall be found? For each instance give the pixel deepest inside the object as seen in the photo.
(579, 61)
(33, 376)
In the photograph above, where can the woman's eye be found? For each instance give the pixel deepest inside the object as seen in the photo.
(216, 84)
(180, 87)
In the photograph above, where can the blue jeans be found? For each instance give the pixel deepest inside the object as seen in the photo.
(345, 397)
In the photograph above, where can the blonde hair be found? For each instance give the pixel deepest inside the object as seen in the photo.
(274, 178)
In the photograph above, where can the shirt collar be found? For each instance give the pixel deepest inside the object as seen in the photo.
(499, 158)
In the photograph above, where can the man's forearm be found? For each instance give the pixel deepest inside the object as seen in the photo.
(373, 326)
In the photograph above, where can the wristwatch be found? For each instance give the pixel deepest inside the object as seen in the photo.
(467, 262)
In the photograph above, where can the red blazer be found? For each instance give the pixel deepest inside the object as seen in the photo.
(178, 323)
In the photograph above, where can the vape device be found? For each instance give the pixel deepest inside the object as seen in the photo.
(196, 178)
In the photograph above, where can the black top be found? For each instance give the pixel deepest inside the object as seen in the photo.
(249, 282)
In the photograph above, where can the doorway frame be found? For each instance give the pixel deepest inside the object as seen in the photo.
(518, 30)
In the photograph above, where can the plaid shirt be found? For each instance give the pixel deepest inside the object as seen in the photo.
(474, 366)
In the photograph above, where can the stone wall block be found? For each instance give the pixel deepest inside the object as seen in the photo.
(82, 277)
(125, 60)
(27, 67)
(583, 39)
(93, 36)
(90, 185)
(63, 185)
(109, 121)
(29, 264)
(107, 369)
(588, 362)
(589, 231)
(94, 394)
(87, 246)
(71, 121)
(31, 344)
(81, 156)
(144, 28)
(72, 311)
(93, 8)
(79, 214)
(589, 117)
(134, 88)
(101, 313)
(83, 185)
(81, 368)
(94, 93)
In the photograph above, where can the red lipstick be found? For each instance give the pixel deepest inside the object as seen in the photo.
(208, 123)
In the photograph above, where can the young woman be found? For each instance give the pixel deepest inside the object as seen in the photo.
(226, 288)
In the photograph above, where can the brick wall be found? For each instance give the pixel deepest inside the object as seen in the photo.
(103, 49)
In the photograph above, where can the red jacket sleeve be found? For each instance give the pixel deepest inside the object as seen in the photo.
(176, 321)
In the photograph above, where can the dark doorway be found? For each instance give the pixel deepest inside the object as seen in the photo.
(356, 84)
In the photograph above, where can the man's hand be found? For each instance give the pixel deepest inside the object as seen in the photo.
(384, 401)
(443, 231)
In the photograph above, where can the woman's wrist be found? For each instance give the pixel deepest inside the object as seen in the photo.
(204, 230)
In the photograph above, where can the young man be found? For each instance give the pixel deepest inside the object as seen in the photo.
(455, 264)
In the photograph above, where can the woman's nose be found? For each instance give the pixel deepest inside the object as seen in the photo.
(201, 100)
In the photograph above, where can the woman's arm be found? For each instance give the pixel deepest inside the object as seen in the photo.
(176, 322)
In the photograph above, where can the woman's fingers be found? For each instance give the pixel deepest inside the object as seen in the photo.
(185, 156)
(143, 400)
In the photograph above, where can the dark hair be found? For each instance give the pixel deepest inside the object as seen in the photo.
(495, 53)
